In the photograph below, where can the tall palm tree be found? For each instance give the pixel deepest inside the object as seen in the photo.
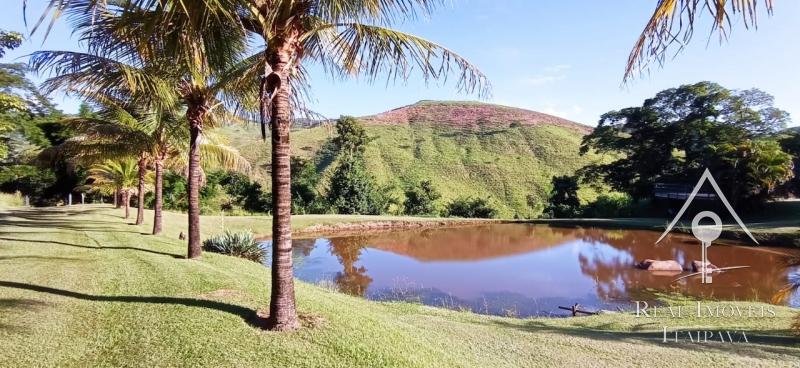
(348, 38)
(170, 51)
(115, 176)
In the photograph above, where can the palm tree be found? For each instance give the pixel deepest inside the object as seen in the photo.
(115, 176)
(184, 60)
(661, 30)
(348, 38)
(156, 138)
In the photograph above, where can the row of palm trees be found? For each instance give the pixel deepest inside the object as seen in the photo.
(124, 145)
(198, 58)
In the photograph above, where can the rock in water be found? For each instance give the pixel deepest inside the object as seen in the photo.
(697, 266)
(658, 265)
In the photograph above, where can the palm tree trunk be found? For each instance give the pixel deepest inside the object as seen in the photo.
(140, 192)
(126, 199)
(116, 198)
(195, 115)
(282, 308)
(158, 194)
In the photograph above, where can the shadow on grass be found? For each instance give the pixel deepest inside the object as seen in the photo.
(43, 258)
(761, 344)
(177, 256)
(247, 314)
(7, 304)
(53, 218)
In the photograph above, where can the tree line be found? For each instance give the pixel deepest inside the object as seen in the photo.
(740, 136)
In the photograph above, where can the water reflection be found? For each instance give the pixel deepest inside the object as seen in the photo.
(523, 270)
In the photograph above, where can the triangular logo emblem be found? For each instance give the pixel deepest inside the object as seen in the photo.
(706, 177)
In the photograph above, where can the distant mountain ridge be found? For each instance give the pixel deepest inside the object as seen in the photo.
(468, 114)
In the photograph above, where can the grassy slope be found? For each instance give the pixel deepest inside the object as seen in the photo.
(81, 287)
(507, 164)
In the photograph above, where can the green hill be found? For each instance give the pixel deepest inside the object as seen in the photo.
(463, 148)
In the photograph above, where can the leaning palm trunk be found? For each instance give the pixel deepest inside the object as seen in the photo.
(195, 116)
(158, 196)
(282, 309)
(140, 192)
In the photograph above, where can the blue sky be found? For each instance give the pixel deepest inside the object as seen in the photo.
(560, 57)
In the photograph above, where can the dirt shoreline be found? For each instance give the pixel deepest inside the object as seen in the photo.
(775, 239)
(355, 228)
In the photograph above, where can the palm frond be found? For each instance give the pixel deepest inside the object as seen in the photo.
(673, 22)
(220, 156)
(372, 51)
(93, 76)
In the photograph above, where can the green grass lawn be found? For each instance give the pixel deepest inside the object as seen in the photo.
(79, 286)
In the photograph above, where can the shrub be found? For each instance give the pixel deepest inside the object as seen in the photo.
(421, 199)
(241, 244)
(470, 207)
(609, 205)
(564, 202)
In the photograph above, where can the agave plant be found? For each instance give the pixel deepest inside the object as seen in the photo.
(241, 244)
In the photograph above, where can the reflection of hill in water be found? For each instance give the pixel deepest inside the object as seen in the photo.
(569, 255)
(463, 243)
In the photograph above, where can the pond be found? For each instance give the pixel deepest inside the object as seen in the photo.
(528, 270)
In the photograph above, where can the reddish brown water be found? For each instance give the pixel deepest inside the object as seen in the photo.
(524, 270)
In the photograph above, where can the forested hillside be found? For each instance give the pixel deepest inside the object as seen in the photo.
(505, 154)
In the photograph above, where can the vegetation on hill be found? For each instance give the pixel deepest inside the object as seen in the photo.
(509, 163)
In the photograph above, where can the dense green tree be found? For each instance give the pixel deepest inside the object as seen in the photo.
(681, 131)
(353, 189)
(9, 40)
(305, 181)
(790, 143)
(421, 199)
(351, 136)
(470, 208)
(26, 127)
(564, 202)
(247, 193)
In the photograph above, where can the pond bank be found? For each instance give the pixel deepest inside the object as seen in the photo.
(350, 228)
(778, 234)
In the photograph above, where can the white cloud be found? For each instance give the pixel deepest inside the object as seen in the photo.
(557, 68)
(540, 80)
(548, 75)
(568, 112)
